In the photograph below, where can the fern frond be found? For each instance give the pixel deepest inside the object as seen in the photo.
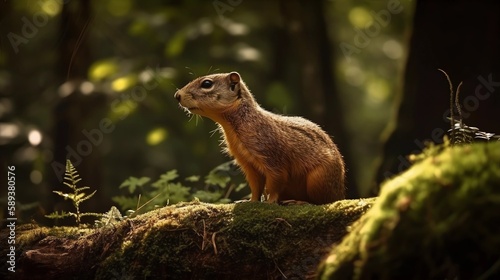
(88, 214)
(67, 183)
(71, 174)
(74, 178)
(87, 197)
(71, 179)
(65, 195)
(57, 215)
(81, 189)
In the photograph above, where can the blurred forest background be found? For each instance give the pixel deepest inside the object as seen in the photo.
(93, 81)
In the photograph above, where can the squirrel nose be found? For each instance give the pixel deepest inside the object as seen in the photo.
(177, 96)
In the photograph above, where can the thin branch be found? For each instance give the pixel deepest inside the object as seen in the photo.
(213, 243)
(458, 105)
(146, 203)
(204, 236)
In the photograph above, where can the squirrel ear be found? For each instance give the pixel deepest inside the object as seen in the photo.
(234, 79)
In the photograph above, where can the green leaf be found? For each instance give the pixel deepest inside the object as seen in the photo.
(143, 180)
(207, 196)
(219, 175)
(165, 178)
(225, 167)
(133, 182)
(172, 193)
(240, 187)
(125, 202)
(178, 193)
(194, 178)
(217, 179)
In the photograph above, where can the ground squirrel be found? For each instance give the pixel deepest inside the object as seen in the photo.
(286, 158)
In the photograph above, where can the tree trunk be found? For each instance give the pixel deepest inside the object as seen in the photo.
(78, 109)
(463, 39)
(308, 31)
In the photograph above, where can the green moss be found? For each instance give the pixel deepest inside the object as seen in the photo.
(29, 234)
(194, 241)
(438, 220)
(207, 240)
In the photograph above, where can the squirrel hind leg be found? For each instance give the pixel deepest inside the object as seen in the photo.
(325, 185)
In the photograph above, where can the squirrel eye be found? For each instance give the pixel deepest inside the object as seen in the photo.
(206, 84)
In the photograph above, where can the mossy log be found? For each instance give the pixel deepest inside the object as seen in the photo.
(438, 220)
(191, 241)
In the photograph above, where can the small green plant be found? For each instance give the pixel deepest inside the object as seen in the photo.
(218, 185)
(112, 217)
(161, 192)
(71, 179)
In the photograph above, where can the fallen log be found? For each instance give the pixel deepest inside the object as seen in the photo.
(191, 241)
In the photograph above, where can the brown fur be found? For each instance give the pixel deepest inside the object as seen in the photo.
(288, 158)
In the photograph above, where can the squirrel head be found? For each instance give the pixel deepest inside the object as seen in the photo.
(213, 95)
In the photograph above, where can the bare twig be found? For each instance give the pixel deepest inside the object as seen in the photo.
(146, 203)
(213, 243)
(284, 276)
(204, 236)
(281, 220)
